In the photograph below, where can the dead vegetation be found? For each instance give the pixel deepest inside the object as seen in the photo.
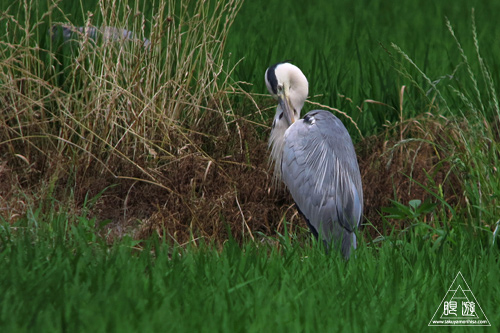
(197, 195)
(408, 161)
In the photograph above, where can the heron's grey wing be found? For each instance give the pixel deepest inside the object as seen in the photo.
(320, 169)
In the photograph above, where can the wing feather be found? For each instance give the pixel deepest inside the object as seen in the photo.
(320, 169)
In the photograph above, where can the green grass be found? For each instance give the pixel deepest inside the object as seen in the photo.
(54, 279)
(344, 48)
(67, 119)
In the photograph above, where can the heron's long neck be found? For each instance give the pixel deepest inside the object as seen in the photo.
(277, 141)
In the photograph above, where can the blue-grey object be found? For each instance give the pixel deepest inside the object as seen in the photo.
(106, 33)
(316, 160)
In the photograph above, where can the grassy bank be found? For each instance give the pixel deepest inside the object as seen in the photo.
(135, 193)
(171, 134)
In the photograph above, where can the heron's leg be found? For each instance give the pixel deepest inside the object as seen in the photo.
(348, 240)
(311, 227)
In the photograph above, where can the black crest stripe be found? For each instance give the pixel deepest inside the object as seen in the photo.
(271, 76)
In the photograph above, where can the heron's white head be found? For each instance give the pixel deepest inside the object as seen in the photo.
(289, 86)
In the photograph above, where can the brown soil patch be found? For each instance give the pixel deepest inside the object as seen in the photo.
(221, 181)
(406, 168)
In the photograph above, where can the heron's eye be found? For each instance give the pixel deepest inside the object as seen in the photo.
(280, 88)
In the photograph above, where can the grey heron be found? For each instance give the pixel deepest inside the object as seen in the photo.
(316, 160)
(106, 33)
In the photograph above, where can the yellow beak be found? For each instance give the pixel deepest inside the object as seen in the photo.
(287, 108)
